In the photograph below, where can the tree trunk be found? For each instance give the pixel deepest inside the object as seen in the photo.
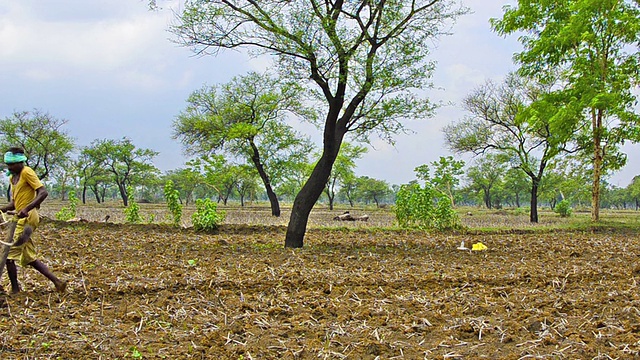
(123, 194)
(487, 198)
(597, 164)
(533, 212)
(273, 199)
(312, 189)
(330, 196)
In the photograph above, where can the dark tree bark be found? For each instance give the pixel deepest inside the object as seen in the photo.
(315, 185)
(273, 199)
(533, 214)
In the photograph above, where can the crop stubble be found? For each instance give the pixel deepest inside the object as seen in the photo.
(152, 291)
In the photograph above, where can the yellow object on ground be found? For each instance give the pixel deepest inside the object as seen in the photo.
(479, 247)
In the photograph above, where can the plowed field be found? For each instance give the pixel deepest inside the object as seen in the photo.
(154, 292)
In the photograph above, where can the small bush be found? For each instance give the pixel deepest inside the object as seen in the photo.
(68, 212)
(521, 211)
(425, 208)
(563, 208)
(132, 212)
(206, 217)
(172, 197)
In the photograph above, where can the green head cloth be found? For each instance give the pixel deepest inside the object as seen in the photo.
(11, 158)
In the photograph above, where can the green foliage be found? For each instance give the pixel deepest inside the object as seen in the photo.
(121, 162)
(172, 197)
(132, 211)
(425, 208)
(68, 212)
(135, 353)
(521, 211)
(40, 134)
(207, 217)
(592, 49)
(445, 178)
(563, 208)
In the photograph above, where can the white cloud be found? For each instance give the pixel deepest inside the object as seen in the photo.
(124, 47)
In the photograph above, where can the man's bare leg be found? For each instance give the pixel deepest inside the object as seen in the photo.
(12, 271)
(61, 286)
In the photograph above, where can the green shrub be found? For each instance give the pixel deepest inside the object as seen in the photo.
(132, 211)
(172, 197)
(522, 211)
(563, 208)
(69, 212)
(425, 208)
(206, 217)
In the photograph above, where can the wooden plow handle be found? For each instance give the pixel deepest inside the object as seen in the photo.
(6, 245)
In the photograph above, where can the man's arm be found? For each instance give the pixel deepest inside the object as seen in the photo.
(10, 206)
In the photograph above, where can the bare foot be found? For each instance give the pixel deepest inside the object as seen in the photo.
(61, 286)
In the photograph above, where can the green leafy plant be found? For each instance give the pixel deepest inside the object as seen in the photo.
(563, 208)
(172, 197)
(135, 353)
(425, 208)
(68, 212)
(132, 211)
(206, 217)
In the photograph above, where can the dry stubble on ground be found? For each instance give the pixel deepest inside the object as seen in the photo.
(152, 292)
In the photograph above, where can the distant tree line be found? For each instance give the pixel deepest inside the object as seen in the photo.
(104, 169)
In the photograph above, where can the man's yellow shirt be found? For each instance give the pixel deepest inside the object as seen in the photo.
(24, 191)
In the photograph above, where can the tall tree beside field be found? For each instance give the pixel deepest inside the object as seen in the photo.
(515, 120)
(216, 173)
(41, 135)
(92, 173)
(363, 59)
(246, 118)
(374, 190)
(125, 164)
(485, 176)
(594, 45)
(634, 191)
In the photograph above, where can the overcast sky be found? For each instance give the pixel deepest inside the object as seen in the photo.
(110, 69)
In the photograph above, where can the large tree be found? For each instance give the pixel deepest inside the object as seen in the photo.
(41, 135)
(186, 181)
(125, 164)
(370, 189)
(485, 176)
(363, 58)
(516, 120)
(594, 45)
(246, 118)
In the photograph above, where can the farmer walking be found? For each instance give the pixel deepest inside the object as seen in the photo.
(27, 193)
